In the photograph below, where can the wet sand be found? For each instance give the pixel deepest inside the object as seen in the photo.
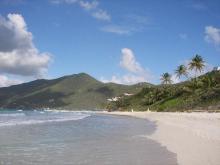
(194, 137)
(95, 140)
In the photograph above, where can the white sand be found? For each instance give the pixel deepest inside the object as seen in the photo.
(194, 137)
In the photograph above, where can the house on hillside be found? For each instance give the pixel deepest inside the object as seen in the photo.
(217, 68)
(114, 99)
(128, 94)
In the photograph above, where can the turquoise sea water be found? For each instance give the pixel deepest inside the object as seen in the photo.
(78, 138)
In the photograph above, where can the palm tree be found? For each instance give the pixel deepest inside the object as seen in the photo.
(197, 63)
(181, 71)
(166, 78)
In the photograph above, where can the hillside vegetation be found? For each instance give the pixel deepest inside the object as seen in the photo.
(75, 92)
(197, 93)
(81, 91)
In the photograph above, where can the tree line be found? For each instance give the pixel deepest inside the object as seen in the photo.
(196, 64)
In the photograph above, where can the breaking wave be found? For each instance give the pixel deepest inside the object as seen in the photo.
(38, 117)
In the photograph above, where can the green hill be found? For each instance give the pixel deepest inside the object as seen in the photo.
(200, 93)
(81, 91)
(78, 91)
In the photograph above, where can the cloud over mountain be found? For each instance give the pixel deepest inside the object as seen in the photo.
(5, 81)
(135, 73)
(18, 54)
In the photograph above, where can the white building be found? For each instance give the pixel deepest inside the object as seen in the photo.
(217, 68)
(114, 99)
(128, 94)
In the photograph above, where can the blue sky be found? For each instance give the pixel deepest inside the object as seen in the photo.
(120, 41)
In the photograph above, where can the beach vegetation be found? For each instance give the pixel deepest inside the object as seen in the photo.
(198, 92)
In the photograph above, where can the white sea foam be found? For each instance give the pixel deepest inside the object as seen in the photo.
(12, 119)
(12, 114)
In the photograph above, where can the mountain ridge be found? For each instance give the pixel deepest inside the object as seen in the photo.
(77, 91)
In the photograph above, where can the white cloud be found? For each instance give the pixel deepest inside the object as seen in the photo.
(101, 15)
(5, 81)
(135, 72)
(63, 1)
(116, 29)
(88, 5)
(84, 4)
(128, 25)
(129, 62)
(212, 35)
(14, 34)
(18, 55)
(91, 6)
(126, 79)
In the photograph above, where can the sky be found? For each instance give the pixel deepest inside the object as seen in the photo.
(121, 41)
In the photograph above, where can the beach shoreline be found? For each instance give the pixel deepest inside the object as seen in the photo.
(77, 138)
(194, 137)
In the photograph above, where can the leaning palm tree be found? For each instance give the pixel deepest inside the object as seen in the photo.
(181, 71)
(197, 64)
(166, 78)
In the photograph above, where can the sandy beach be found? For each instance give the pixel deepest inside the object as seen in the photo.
(194, 137)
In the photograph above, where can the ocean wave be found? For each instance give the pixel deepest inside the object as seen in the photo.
(12, 114)
(56, 110)
(43, 120)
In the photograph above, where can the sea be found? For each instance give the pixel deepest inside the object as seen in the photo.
(55, 137)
